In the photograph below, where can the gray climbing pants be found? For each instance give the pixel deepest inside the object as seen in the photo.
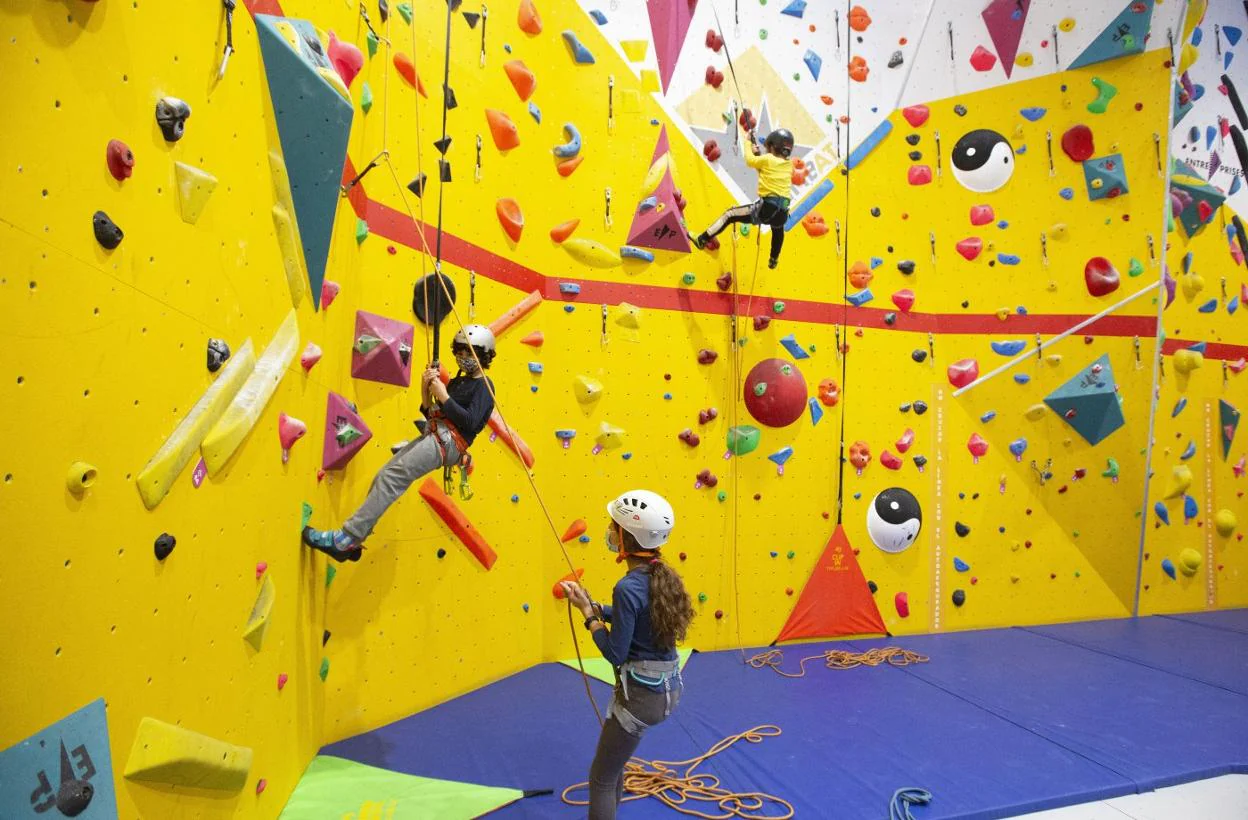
(415, 460)
(633, 710)
(770, 210)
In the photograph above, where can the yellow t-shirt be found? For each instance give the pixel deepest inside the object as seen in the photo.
(775, 174)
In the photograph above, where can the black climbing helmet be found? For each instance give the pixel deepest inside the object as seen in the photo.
(780, 142)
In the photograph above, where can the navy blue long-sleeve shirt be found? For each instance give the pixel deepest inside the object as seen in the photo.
(630, 636)
(468, 406)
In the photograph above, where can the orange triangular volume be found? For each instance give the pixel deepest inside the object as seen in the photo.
(836, 600)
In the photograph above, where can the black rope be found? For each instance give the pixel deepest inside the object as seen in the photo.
(444, 168)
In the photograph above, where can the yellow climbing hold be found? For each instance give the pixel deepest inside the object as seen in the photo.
(1025, 59)
(1185, 360)
(587, 389)
(258, 621)
(1189, 561)
(1036, 412)
(1225, 522)
(1059, 231)
(635, 50)
(1180, 480)
(1192, 284)
(194, 188)
(594, 254)
(610, 437)
(292, 254)
(1067, 24)
(174, 756)
(630, 316)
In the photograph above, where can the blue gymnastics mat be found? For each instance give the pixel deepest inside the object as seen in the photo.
(1171, 645)
(1235, 620)
(998, 723)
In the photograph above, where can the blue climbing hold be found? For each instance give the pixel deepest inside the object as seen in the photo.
(876, 262)
(1190, 508)
(1021, 310)
(578, 51)
(1178, 407)
(1211, 134)
(1033, 113)
(599, 17)
(1163, 515)
(1067, 193)
(535, 367)
(816, 412)
(795, 9)
(774, 554)
(795, 349)
(1022, 149)
(806, 205)
(569, 288)
(813, 62)
(1002, 224)
(535, 112)
(780, 456)
(1189, 451)
(1022, 378)
(1232, 304)
(629, 252)
(1008, 258)
(569, 308)
(1208, 307)
(533, 388)
(515, 499)
(573, 146)
(1197, 35)
(1017, 447)
(987, 417)
(667, 396)
(626, 456)
(960, 565)
(1199, 347)
(1009, 348)
(1232, 34)
(860, 298)
(584, 539)
(1167, 566)
(647, 204)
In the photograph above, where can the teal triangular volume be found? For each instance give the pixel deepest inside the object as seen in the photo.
(313, 124)
(64, 770)
(1124, 35)
(1228, 421)
(1093, 397)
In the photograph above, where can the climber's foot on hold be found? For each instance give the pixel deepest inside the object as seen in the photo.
(771, 263)
(337, 544)
(699, 241)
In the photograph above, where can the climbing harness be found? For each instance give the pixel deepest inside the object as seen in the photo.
(839, 659)
(903, 799)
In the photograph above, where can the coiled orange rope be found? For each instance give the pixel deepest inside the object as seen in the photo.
(684, 790)
(840, 659)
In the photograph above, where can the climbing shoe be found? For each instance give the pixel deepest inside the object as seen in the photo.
(771, 263)
(337, 544)
(700, 240)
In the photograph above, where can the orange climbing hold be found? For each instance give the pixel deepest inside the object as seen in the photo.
(800, 171)
(563, 230)
(860, 275)
(814, 224)
(502, 129)
(516, 312)
(407, 69)
(571, 577)
(534, 339)
(521, 78)
(453, 517)
(859, 19)
(510, 217)
(575, 530)
(858, 70)
(528, 19)
(566, 167)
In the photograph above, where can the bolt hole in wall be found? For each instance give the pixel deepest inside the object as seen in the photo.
(937, 232)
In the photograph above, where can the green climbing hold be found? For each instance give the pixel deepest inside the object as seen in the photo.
(330, 572)
(1111, 470)
(745, 230)
(405, 11)
(743, 439)
(372, 42)
(1135, 268)
(688, 279)
(1077, 575)
(721, 495)
(762, 34)
(1105, 93)
(796, 77)
(792, 554)
(778, 307)
(361, 233)
(347, 434)
(760, 389)
(742, 341)
(305, 516)
(324, 673)
(366, 98)
(1075, 533)
(701, 597)
(364, 344)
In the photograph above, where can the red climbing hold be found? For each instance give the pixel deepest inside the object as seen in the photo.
(775, 392)
(711, 151)
(329, 292)
(713, 78)
(713, 41)
(707, 356)
(763, 322)
(120, 160)
(978, 446)
(971, 247)
(906, 441)
(510, 217)
(916, 115)
(708, 415)
(689, 437)
(902, 602)
(1077, 143)
(982, 59)
(963, 372)
(981, 214)
(1100, 276)
(919, 175)
(904, 300)
(890, 461)
(1204, 211)
(724, 282)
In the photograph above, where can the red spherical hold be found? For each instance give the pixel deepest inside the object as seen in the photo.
(719, 613)
(1077, 143)
(707, 415)
(788, 590)
(711, 151)
(724, 282)
(683, 556)
(1100, 276)
(758, 496)
(120, 160)
(706, 356)
(775, 392)
(761, 322)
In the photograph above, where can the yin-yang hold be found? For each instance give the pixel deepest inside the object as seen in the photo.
(894, 519)
(983, 161)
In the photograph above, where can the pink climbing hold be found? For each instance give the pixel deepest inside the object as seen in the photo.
(971, 247)
(329, 292)
(261, 785)
(982, 59)
(346, 58)
(963, 372)
(289, 430)
(906, 441)
(904, 300)
(890, 461)
(982, 214)
(311, 355)
(902, 601)
(1100, 276)
(669, 23)
(1077, 143)
(919, 175)
(977, 446)
(281, 681)
(260, 568)
(345, 433)
(916, 115)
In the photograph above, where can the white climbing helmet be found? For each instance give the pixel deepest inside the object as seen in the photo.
(476, 336)
(646, 515)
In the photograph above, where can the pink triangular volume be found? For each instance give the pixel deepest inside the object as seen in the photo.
(341, 419)
(661, 147)
(669, 23)
(389, 362)
(661, 225)
(1005, 20)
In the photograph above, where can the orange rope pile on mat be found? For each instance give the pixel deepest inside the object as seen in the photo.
(840, 659)
(684, 790)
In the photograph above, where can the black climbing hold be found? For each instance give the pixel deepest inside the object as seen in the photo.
(427, 292)
(960, 110)
(959, 597)
(383, 9)
(913, 139)
(919, 355)
(905, 408)
(906, 266)
(417, 185)
(966, 303)
(889, 248)
(844, 171)
(471, 17)
(106, 231)
(325, 637)
(218, 354)
(171, 115)
(895, 60)
(992, 263)
(405, 354)
(448, 98)
(890, 318)
(915, 156)
(164, 545)
(920, 407)
(441, 552)
(444, 170)
(442, 145)
(920, 461)
(454, 4)
(875, 211)
(74, 795)
(961, 529)
(871, 585)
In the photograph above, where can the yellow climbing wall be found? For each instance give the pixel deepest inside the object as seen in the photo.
(104, 355)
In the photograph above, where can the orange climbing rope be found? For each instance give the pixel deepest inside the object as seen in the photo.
(678, 787)
(839, 659)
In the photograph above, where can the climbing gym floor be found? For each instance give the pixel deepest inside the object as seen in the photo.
(998, 722)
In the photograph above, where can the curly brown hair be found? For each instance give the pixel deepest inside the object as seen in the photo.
(671, 609)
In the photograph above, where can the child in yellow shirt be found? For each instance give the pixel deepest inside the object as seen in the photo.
(775, 181)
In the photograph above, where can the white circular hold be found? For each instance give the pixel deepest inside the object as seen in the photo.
(894, 519)
(983, 161)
